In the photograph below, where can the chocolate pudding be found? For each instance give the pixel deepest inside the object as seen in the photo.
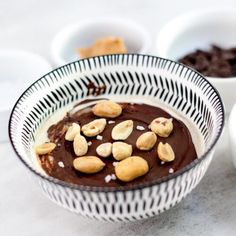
(59, 162)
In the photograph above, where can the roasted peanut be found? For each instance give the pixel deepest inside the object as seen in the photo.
(72, 131)
(88, 164)
(146, 141)
(80, 145)
(122, 130)
(165, 152)
(45, 148)
(131, 168)
(108, 109)
(121, 150)
(104, 149)
(94, 127)
(47, 162)
(162, 126)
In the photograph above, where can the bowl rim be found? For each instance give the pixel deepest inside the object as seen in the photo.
(226, 80)
(58, 43)
(139, 186)
(187, 17)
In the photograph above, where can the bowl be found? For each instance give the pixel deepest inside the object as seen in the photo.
(166, 82)
(18, 69)
(85, 33)
(232, 134)
(198, 30)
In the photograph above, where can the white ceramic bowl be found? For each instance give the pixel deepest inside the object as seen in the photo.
(18, 70)
(198, 30)
(85, 33)
(165, 82)
(232, 133)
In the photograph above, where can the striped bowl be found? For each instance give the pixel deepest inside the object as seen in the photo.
(168, 82)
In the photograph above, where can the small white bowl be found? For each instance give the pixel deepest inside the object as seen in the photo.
(232, 133)
(85, 33)
(199, 30)
(18, 70)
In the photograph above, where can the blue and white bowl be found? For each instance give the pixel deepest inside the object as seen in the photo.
(176, 86)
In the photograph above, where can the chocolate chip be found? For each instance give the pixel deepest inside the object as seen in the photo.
(216, 62)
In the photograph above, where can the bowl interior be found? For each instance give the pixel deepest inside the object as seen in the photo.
(197, 30)
(165, 82)
(86, 33)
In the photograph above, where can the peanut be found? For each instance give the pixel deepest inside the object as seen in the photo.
(72, 131)
(131, 168)
(162, 126)
(121, 150)
(94, 127)
(122, 130)
(88, 164)
(80, 145)
(104, 149)
(108, 109)
(45, 148)
(165, 152)
(146, 141)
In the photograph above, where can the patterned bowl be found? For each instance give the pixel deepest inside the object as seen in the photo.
(187, 92)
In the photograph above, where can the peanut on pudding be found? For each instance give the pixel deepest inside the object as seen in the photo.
(116, 144)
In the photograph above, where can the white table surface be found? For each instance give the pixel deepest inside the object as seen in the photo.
(209, 210)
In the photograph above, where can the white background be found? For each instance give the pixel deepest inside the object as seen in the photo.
(209, 210)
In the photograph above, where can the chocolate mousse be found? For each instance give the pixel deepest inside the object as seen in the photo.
(116, 144)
